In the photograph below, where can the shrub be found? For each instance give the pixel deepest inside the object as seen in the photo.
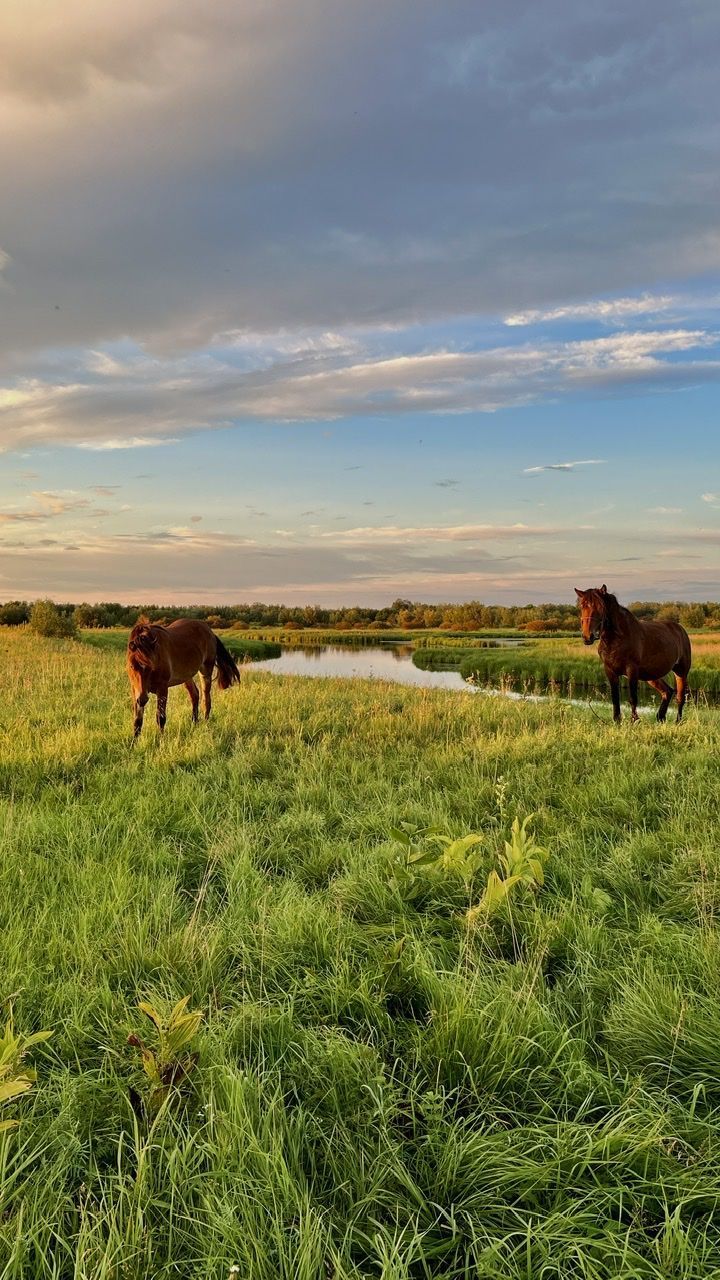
(14, 613)
(47, 620)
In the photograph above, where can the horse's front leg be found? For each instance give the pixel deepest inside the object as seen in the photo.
(140, 704)
(162, 697)
(615, 695)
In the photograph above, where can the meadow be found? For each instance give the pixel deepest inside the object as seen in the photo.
(382, 1088)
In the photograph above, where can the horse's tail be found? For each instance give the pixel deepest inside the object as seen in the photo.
(228, 670)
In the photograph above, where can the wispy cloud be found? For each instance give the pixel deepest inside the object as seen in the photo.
(564, 466)
(608, 310)
(712, 499)
(664, 511)
(119, 442)
(442, 533)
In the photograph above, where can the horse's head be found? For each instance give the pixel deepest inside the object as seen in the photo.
(593, 605)
(143, 641)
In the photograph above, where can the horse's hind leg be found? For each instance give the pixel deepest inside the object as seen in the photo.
(681, 683)
(633, 686)
(663, 688)
(192, 689)
(206, 675)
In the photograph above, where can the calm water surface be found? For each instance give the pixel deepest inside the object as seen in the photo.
(393, 662)
(381, 662)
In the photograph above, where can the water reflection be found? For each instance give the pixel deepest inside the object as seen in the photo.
(389, 662)
(394, 663)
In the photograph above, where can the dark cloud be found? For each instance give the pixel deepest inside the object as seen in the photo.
(183, 169)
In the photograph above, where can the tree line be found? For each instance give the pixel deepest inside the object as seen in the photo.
(405, 615)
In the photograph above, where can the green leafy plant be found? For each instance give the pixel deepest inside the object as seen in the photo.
(15, 1078)
(414, 853)
(431, 847)
(167, 1063)
(522, 862)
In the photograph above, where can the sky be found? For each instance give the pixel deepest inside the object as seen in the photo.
(333, 303)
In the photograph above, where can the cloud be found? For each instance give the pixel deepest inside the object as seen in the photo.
(173, 396)
(608, 311)
(442, 533)
(118, 442)
(57, 504)
(664, 511)
(564, 466)
(46, 506)
(713, 499)
(179, 170)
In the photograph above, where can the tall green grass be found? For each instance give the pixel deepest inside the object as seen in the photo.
(536, 1097)
(537, 671)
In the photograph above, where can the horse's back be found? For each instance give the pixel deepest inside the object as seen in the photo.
(191, 629)
(189, 644)
(670, 642)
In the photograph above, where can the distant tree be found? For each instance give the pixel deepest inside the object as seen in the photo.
(14, 613)
(693, 615)
(47, 620)
(90, 615)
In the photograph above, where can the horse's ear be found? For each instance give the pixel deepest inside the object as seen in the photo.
(603, 590)
(579, 593)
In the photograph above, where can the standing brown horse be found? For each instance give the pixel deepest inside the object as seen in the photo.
(159, 657)
(639, 650)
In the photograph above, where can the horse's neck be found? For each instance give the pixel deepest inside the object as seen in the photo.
(620, 622)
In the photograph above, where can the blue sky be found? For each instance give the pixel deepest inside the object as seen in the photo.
(332, 304)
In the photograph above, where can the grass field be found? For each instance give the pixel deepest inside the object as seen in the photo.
(381, 1091)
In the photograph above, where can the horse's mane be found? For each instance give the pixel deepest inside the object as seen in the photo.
(609, 606)
(606, 600)
(142, 643)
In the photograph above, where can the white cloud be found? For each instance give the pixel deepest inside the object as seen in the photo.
(565, 466)
(712, 499)
(442, 533)
(607, 310)
(118, 442)
(664, 511)
(170, 397)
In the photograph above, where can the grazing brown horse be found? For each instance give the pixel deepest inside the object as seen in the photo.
(159, 657)
(639, 650)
